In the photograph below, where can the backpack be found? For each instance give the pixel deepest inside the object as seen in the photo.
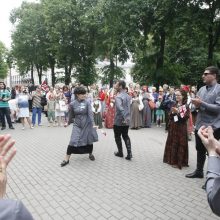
(43, 101)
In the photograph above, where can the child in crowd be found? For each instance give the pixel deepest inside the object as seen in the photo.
(159, 111)
(51, 110)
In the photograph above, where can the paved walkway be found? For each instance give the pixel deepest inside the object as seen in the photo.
(108, 188)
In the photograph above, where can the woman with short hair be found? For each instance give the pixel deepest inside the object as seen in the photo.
(83, 132)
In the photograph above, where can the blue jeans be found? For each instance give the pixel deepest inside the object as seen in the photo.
(37, 111)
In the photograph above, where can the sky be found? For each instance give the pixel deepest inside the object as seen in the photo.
(5, 26)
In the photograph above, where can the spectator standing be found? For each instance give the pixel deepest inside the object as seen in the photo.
(51, 105)
(155, 96)
(176, 149)
(136, 114)
(36, 106)
(61, 107)
(110, 113)
(159, 112)
(168, 102)
(96, 108)
(5, 96)
(207, 102)
(23, 107)
(146, 97)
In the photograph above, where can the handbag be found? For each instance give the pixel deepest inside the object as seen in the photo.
(63, 106)
(141, 105)
(151, 105)
(43, 101)
(57, 106)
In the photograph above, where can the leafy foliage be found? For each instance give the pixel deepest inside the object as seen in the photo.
(3, 63)
(170, 41)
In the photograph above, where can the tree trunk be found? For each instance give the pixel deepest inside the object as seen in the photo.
(40, 76)
(32, 74)
(112, 69)
(66, 73)
(211, 46)
(53, 77)
(52, 67)
(67, 78)
(39, 73)
(160, 58)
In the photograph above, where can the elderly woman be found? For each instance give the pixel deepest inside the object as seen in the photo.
(84, 132)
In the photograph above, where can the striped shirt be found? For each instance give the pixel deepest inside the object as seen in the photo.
(36, 100)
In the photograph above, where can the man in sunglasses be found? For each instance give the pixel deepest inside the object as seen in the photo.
(207, 102)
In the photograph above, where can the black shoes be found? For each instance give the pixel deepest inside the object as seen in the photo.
(3, 128)
(64, 163)
(204, 187)
(129, 156)
(195, 174)
(117, 154)
(91, 157)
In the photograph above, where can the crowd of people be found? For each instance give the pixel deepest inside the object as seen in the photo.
(183, 110)
(147, 105)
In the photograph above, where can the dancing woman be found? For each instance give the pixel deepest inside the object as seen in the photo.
(83, 133)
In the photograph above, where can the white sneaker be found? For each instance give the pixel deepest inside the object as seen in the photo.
(157, 126)
(22, 128)
(160, 126)
(31, 127)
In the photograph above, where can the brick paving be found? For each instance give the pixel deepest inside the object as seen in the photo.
(107, 188)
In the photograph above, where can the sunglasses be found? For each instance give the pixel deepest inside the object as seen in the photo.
(205, 74)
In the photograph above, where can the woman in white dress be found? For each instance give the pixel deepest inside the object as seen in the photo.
(61, 107)
(23, 107)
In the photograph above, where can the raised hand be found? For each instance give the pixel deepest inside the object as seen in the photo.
(212, 145)
(6, 155)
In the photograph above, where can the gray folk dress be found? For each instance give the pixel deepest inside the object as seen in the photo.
(83, 134)
(136, 117)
